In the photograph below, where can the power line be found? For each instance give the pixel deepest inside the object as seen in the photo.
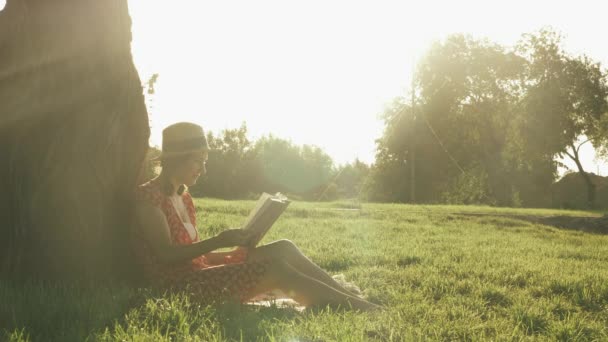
(428, 124)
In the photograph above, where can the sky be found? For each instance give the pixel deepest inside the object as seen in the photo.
(321, 72)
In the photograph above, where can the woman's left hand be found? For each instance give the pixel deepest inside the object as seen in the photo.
(233, 237)
(238, 255)
(241, 252)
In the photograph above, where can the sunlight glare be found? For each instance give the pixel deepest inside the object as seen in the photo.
(316, 72)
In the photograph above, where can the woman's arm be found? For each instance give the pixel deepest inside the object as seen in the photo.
(234, 256)
(216, 258)
(155, 228)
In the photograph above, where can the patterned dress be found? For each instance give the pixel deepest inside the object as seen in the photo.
(234, 279)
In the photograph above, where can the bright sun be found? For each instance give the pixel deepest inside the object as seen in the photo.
(317, 72)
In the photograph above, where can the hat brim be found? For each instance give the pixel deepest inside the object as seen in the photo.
(178, 154)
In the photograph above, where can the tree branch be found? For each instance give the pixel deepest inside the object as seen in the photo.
(579, 146)
(569, 155)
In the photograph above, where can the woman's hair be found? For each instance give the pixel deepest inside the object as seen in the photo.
(168, 165)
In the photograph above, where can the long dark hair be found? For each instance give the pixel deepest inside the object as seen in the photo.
(168, 165)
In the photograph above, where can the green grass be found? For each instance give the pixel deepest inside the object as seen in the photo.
(444, 272)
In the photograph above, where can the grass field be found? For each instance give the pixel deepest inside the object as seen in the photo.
(444, 272)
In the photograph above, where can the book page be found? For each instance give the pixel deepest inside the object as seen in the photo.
(257, 210)
(267, 219)
(267, 210)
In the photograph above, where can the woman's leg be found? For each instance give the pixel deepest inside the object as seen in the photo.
(304, 289)
(289, 252)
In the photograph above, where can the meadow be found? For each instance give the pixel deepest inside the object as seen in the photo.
(443, 272)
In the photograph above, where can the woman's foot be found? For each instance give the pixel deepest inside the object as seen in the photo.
(349, 287)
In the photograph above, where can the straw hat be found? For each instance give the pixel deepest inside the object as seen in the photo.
(182, 138)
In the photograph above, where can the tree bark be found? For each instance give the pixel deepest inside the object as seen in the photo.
(73, 137)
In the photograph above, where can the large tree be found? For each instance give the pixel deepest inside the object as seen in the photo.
(73, 135)
(489, 122)
(565, 102)
(467, 91)
(452, 142)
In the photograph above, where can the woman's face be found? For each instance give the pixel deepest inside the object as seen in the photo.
(192, 168)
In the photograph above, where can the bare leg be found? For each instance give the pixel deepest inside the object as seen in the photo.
(306, 290)
(287, 251)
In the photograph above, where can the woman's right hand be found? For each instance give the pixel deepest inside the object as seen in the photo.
(234, 237)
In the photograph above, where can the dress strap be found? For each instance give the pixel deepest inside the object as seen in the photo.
(190, 207)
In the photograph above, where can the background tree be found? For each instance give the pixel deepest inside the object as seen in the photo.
(389, 176)
(465, 95)
(565, 101)
(240, 168)
(231, 169)
(289, 168)
(489, 122)
(350, 179)
(73, 135)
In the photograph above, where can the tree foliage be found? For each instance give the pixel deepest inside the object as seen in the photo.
(231, 171)
(565, 99)
(240, 168)
(488, 122)
(290, 168)
(350, 179)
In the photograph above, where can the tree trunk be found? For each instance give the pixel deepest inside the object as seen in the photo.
(588, 182)
(73, 136)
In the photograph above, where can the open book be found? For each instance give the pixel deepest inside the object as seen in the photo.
(266, 211)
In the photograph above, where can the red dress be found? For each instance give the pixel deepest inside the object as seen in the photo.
(235, 279)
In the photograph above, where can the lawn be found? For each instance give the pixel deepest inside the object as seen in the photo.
(443, 272)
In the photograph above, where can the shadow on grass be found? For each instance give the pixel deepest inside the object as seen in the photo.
(593, 225)
(54, 312)
(43, 311)
(176, 317)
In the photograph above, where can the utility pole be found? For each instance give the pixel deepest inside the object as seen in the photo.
(413, 144)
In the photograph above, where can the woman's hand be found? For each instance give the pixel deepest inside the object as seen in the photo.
(234, 237)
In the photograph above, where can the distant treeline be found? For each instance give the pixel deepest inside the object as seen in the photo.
(240, 168)
(483, 124)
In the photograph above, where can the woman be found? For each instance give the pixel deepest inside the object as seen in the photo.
(172, 255)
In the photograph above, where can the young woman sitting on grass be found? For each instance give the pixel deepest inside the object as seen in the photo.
(172, 255)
